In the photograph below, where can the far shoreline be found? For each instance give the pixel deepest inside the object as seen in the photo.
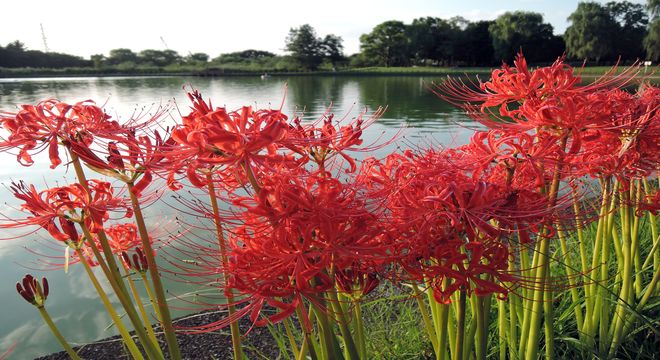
(26, 73)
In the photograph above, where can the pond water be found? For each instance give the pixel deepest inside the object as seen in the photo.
(73, 303)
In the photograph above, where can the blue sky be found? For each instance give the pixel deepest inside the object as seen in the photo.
(90, 27)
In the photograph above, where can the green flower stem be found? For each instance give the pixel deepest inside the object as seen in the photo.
(654, 229)
(438, 327)
(128, 340)
(580, 233)
(648, 292)
(570, 274)
(166, 323)
(636, 251)
(650, 257)
(111, 271)
(515, 312)
(150, 348)
(444, 329)
(359, 329)
(511, 333)
(151, 296)
(528, 300)
(592, 313)
(342, 321)
(469, 337)
(302, 355)
(143, 312)
(481, 340)
(430, 330)
(288, 327)
(602, 303)
(543, 273)
(307, 336)
(502, 324)
(57, 333)
(234, 329)
(460, 329)
(452, 325)
(625, 295)
(327, 337)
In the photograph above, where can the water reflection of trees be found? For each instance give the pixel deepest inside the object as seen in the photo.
(408, 99)
(314, 94)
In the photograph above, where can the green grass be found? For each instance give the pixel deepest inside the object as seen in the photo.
(394, 327)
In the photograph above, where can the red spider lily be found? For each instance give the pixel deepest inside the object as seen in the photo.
(213, 137)
(355, 282)
(322, 140)
(297, 233)
(435, 208)
(651, 203)
(65, 204)
(121, 238)
(32, 291)
(626, 143)
(497, 156)
(129, 158)
(34, 128)
(480, 269)
(546, 97)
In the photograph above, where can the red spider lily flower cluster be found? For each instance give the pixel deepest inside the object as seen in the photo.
(307, 218)
(297, 234)
(45, 125)
(298, 226)
(58, 208)
(449, 227)
(209, 138)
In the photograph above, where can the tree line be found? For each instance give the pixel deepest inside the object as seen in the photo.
(600, 33)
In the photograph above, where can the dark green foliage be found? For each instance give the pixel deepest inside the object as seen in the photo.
(196, 58)
(118, 56)
(305, 46)
(475, 45)
(15, 54)
(433, 41)
(652, 41)
(387, 44)
(309, 51)
(526, 31)
(159, 57)
(591, 34)
(632, 22)
(333, 49)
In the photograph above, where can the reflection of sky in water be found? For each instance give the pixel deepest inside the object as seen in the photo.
(73, 302)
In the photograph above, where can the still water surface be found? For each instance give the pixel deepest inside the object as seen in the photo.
(73, 303)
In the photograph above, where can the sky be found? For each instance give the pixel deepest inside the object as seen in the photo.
(92, 27)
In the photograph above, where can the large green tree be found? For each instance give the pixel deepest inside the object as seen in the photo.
(592, 32)
(387, 44)
(305, 47)
(122, 55)
(332, 48)
(432, 39)
(159, 57)
(652, 39)
(513, 31)
(632, 21)
(475, 45)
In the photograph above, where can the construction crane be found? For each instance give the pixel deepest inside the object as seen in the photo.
(164, 43)
(43, 37)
